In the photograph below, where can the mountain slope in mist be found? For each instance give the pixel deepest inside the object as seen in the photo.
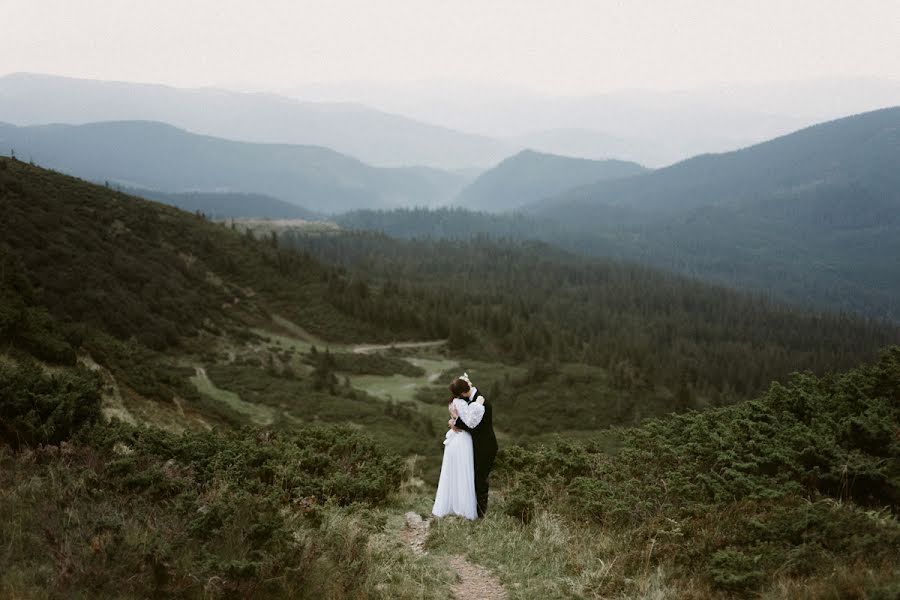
(813, 216)
(153, 155)
(373, 136)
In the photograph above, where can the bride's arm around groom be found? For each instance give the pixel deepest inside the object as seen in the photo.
(470, 415)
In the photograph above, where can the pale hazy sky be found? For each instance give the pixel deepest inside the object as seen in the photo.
(560, 46)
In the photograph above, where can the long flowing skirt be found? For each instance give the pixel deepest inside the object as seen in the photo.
(456, 488)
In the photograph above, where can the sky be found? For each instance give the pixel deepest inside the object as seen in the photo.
(561, 47)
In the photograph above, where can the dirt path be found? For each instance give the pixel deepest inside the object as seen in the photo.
(368, 348)
(474, 582)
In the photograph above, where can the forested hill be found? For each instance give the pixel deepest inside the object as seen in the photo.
(158, 156)
(812, 218)
(859, 153)
(530, 176)
(138, 269)
(135, 269)
(529, 301)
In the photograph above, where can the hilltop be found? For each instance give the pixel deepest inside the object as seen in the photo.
(531, 176)
(799, 168)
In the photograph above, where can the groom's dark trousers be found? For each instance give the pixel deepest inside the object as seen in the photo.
(484, 443)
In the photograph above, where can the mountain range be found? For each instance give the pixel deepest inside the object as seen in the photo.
(654, 128)
(143, 154)
(812, 217)
(370, 135)
(860, 149)
(455, 125)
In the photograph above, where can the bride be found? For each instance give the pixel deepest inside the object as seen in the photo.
(456, 488)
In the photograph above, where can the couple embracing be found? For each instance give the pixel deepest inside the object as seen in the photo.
(469, 451)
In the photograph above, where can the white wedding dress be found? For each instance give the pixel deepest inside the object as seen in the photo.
(456, 488)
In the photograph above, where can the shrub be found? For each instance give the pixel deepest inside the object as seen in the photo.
(37, 408)
(239, 514)
(801, 481)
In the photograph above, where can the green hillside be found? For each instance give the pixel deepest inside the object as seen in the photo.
(188, 411)
(791, 495)
(110, 274)
(530, 302)
(531, 176)
(151, 155)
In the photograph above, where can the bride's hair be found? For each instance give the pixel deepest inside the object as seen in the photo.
(458, 387)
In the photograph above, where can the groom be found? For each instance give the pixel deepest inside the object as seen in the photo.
(484, 443)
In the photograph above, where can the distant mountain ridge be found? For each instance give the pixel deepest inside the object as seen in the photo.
(812, 217)
(370, 135)
(530, 176)
(859, 148)
(144, 154)
(652, 127)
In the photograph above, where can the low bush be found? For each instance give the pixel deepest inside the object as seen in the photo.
(363, 364)
(123, 511)
(40, 408)
(800, 482)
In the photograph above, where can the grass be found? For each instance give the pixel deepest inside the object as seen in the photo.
(145, 514)
(258, 414)
(546, 559)
(434, 367)
(393, 387)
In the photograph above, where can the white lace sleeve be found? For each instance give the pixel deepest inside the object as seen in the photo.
(471, 414)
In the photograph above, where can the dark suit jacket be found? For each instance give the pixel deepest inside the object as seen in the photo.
(484, 442)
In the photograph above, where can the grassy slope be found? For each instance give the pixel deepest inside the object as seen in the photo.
(566, 520)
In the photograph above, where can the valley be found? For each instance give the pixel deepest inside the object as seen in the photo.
(269, 399)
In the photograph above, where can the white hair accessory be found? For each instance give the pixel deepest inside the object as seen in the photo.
(465, 377)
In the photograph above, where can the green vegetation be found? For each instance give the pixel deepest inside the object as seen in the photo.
(516, 302)
(452, 223)
(133, 268)
(794, 493)
(810, 218)
(113, 305)
(36, 409)
(359, 363)
(24, 323)
(243, 513)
